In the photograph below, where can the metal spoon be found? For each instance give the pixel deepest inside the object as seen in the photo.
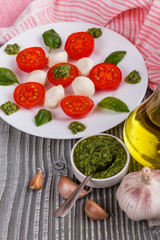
(64, 209)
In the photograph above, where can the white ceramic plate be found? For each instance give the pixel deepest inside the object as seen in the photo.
(97, 120)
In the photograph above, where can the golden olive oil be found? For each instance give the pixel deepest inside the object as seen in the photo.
(142, 135)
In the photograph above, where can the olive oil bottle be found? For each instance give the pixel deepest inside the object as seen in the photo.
(142, 132)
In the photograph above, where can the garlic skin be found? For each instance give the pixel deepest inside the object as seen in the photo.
(139, 193)
(37, 181)
(94, 211)
(66, 187)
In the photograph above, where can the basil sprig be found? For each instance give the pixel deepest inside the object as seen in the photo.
(51, 39)
(7, 77)
(115, 57)
(114, 104)
(42, 117)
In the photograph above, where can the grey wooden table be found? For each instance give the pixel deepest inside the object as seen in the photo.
(28, 214)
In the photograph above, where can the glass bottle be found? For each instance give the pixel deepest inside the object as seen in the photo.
(142, 131)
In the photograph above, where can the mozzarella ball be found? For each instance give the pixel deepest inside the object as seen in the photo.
(83, 86)
(39, 76)
(54, 96)
(84, 66)
(57, 57)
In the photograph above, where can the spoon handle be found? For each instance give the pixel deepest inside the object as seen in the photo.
(63, 210)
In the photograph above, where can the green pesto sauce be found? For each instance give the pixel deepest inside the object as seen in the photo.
(62, 71)
(95, 152)
(9, 108)
(133, 77)
(95, 32)
(76, 127)
(12, 49)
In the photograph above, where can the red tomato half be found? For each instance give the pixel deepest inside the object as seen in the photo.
(79, 45)
(29, 94)
(64, 81)
(106, 76)
(77, 106)
(31, 59)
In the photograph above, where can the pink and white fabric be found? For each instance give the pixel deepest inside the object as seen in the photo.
(137, 20)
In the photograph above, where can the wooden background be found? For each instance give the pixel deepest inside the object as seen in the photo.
(29, 215)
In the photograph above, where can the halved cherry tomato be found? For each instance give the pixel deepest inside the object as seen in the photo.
(106, 76)
(64, 81)
(79, 45)
(77, 106)
(31, 59)
(29, 94)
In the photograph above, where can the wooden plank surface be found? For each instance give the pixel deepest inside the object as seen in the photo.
(29, 215)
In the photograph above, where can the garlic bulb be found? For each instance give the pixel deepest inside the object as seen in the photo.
(139, 193)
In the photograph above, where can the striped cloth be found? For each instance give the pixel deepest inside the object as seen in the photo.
(137, 20)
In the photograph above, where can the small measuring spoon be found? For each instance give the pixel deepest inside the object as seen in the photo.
(64, 209)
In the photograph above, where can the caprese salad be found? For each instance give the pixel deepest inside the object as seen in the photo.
(84, 76)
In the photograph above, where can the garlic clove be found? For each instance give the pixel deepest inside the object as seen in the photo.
(94, 211)
(37, 181)
(66, 187)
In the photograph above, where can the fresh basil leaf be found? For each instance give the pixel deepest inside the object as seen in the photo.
(115, 57)
(7, 77)
(42, 117)
(51, 39)
(114, 104)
